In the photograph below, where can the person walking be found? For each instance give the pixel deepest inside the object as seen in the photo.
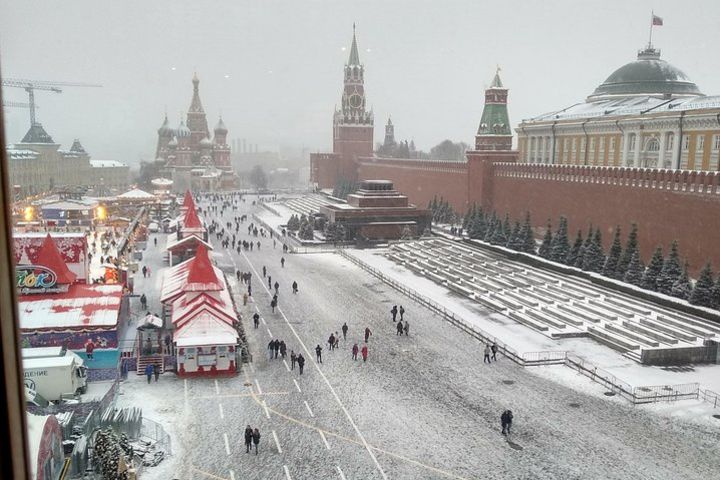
(155, 240)
(293, 359)
(355, 350)
(368, 333)
(402, 312)
(318, 353)
(282, 262)
(486, 359)
(248, 438)
(269, 281)
(149, 372)
(407, 328)
(148, 272)
(89, 349)
(264, 271)
(295, 287)
(276, 347)
(399, 328)
(301, 362)
(337, 340)
(277, 287)
(394, 312)
(144, 270)
(256, 439)
(271, 348)
(273, 304)
(283, 349)
(331, 341)
(345, 330)
(256, 319)
(364, 353)
(506, 421)
(494, 349)
(143, 302)
(156, 372)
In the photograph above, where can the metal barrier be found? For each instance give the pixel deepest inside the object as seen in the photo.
(544, 358)
(710, 397)
(155, 432)
(666, 393)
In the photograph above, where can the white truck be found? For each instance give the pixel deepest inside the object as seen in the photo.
(54, 372)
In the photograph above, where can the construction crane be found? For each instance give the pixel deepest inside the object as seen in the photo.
(31, 85)
(11, 104)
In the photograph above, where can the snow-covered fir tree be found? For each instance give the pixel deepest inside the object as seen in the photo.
(490, 227)
(560, 246)
(635, 271)
(653, 270)
(630, 248)
(671, 270)
(610, 269)
(507, 227)
(547, 242)
(702, 294)
(498, 236)
(575, 249)
(716, 293)
(594, 255)
(528, 236)
(682, 287)
(586, 246)
(515, 241)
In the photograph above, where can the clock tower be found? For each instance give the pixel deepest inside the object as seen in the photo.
(353, 124)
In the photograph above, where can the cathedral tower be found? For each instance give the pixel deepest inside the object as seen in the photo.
(196, 118)
(494, 132)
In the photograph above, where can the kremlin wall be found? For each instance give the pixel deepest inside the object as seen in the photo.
(627, 154)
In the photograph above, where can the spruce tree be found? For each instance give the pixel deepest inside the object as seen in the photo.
(515, 241)
(547, 242)
(575, 250)
(635, 270)
(585, 247)
(498, 236)
(716, 294)
(653, 270)
(594, 256)
(670, 272)
(682, 288)
(630, 248)
(613, 259)
(527, 235)
(702, 294)
(490, 227)
(559, 247)
(507, 228)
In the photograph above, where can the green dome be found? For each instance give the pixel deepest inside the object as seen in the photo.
(649, 75)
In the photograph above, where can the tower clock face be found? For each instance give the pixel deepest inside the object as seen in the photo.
(355, 100)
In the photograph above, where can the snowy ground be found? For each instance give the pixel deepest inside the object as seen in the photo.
(422, 407)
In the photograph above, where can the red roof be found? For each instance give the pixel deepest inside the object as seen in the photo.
(50, 257)
(191, 219)
(201, 276)
(188, 201)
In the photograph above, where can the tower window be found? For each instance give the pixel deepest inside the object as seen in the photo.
(701, 142)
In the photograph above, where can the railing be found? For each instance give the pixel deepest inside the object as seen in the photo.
(690, 181)
(636, 395)
(154, 431)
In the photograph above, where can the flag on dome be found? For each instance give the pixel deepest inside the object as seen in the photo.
(657, 20)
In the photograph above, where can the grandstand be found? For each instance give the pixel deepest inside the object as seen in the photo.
(559, 305)
(307, 204)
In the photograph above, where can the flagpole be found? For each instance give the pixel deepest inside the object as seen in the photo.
(652, 16)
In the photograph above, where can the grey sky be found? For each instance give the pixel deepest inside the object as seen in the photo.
(427, 64)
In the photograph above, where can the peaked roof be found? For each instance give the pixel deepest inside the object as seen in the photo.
(354, 57)
(196, 105)
(50, 257)
(191, 219)
(37, 134)
(496, 82)
(201, 275)
(77, 147)
(188, 200)
(136, 193)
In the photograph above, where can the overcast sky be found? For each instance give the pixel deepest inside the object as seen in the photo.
(274, 68)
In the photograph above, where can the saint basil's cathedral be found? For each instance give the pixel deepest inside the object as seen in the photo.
(191, 157)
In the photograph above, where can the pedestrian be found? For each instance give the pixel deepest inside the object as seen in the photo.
(249, 292)
(282, 262)
(337, 340)
(156, 371)
(144, 270)
(364, 353)
(245, 298)
(407, 328)
(394, 312)
(506, 421)
(248, 438)
(399, 328)
(301, 362)
(256, 439)
(149, 372)
(277, 287)
(486, 359)
(402, 312)
(269, 281)
(143, 302)
(295, 287)
(283, 349)
(293, 359)
(276, 347)
(275, 298)
(256, 319)
(148, 271)
(367, 333)
(494, 350)
(273, 304)
(331, 341)
(355, 351)
(271, 348)
(155, 240)
(89, 349)
(264, 271)
(318, 353)
(345, 330)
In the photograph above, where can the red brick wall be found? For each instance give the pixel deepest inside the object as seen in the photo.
(324, 169)
(420, 180)
(666, 205)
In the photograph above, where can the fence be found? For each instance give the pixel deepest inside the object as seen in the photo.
(636, 395)
(155, 432)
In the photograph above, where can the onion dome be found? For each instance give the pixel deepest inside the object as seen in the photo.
(182, 130)
(649, 75)
(220, 127)
(165, 129)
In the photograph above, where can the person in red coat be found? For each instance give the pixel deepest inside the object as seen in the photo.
(364, 353)
(89, 349)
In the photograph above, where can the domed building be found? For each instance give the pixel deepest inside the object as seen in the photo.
(191, 157)
(647, 113)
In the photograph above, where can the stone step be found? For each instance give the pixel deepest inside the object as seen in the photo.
(688, 327)
(585, 315)
(564, 316)
(612, 340)
(526, 320)
(613, 308)
(595, 310)
(541, 316)
(525, 300)
(550, 294)
(667, 329)
(650, 333)
(631, 335)
(629, 305)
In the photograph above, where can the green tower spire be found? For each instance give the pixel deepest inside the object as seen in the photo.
(494, 132)
(354, 57)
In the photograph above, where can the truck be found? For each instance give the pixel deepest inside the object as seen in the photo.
(54, 372)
